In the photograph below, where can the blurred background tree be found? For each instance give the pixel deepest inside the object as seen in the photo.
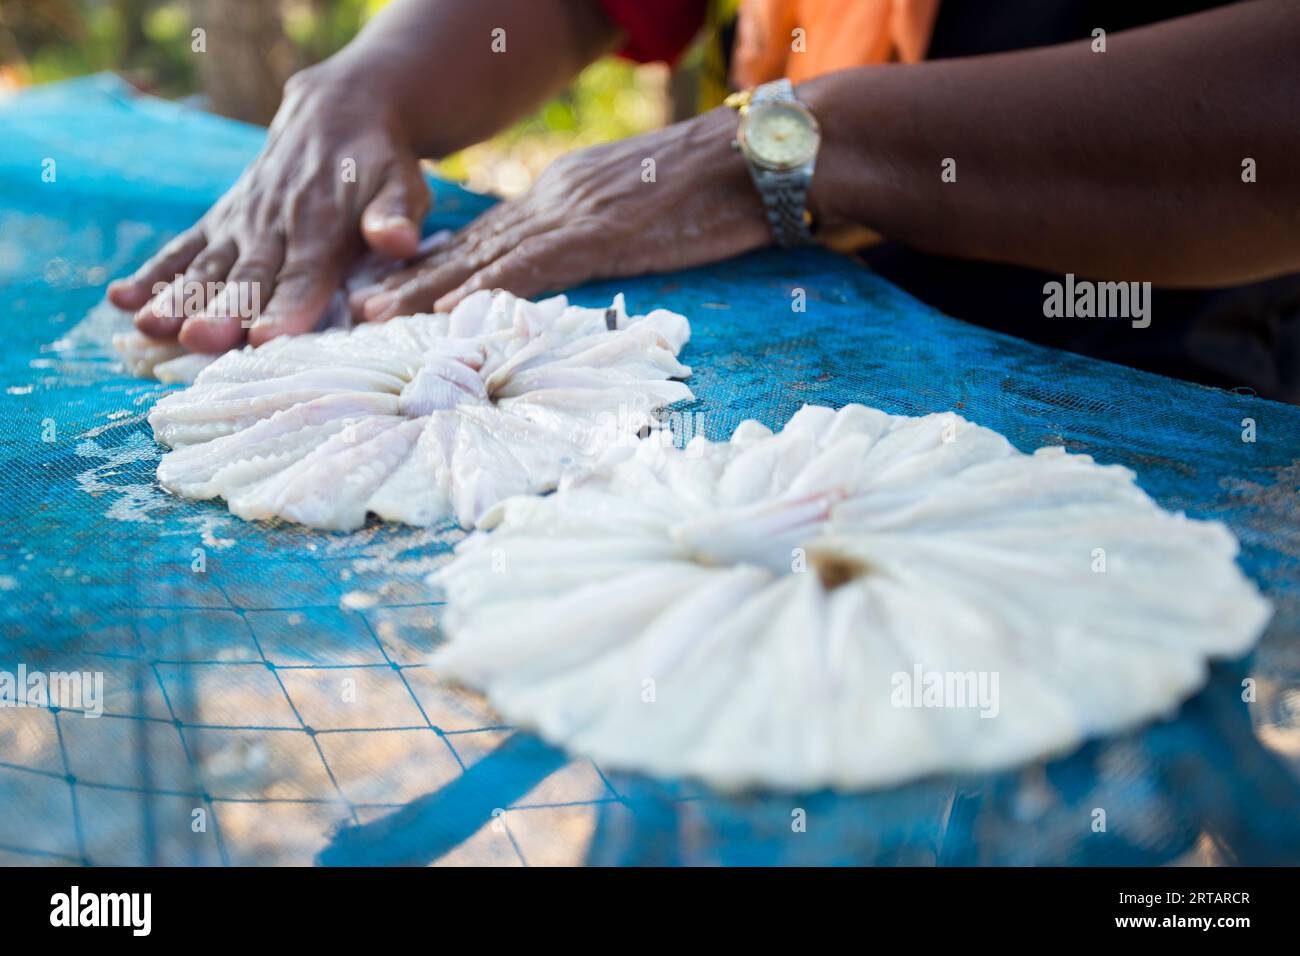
(252, 46)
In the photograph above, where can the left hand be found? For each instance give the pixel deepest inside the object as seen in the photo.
(601, 212)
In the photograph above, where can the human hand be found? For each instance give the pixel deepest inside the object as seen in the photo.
(670, 199)
(281, 239)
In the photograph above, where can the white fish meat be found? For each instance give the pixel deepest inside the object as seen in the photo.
(168, 362)
(422, 417)
(856, 601)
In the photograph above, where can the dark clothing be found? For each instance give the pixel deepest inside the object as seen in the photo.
(1241, 336)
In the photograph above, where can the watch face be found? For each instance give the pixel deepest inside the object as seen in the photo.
(779, 135)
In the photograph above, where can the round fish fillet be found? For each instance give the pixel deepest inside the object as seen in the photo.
(423, 417)
(856, 601)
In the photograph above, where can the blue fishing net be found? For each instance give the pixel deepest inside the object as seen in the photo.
(266, 698)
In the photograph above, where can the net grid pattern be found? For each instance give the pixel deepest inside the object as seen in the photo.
(225, 687)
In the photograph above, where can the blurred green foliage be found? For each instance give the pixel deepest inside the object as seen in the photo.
(148, 42)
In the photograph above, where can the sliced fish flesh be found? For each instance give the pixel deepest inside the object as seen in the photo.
(420, 418)
(855, 601)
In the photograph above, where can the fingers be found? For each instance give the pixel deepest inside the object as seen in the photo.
(358, 298)
(413, 290)
(419, 292)
(303, 291)
(134, 292)
(539, 264)
(391, 221)
(163, 316)
(248, 285)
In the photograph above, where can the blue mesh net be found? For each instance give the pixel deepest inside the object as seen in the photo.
(266, 698)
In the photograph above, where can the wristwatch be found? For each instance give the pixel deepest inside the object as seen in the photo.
(779, 138)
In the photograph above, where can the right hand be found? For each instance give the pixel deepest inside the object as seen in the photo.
(289, 226)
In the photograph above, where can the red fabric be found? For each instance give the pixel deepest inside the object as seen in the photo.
(656, 29)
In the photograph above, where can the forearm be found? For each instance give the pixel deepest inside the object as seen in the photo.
(433, 63)
(1124, 164)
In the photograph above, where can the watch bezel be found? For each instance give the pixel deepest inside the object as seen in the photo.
(749, 119)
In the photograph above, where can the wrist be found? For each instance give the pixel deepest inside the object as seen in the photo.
(823, 193)
(779, 137)
(715, 139)
(715, 135)
(342, 92)
(359, 68)
(857, 167)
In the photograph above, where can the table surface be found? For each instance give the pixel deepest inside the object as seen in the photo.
(276, 707)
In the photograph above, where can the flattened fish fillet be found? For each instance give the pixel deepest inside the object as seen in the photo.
(856, 601)
(422, 417)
